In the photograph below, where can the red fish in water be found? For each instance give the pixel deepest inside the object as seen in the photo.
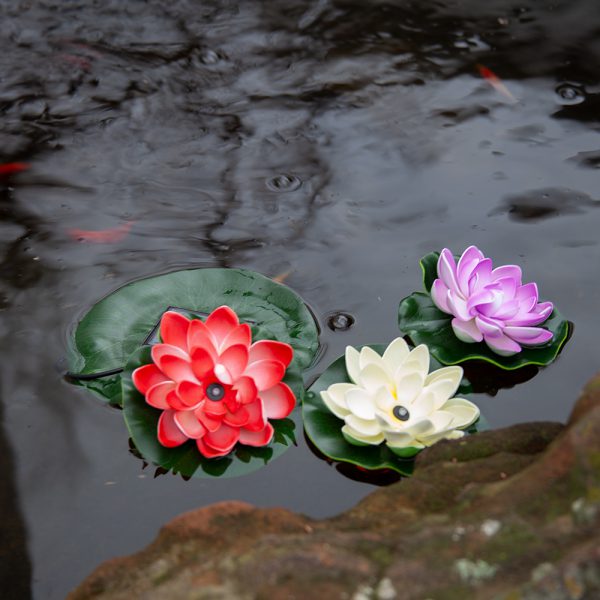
(495, 82)
(8, 169)
(102, 236)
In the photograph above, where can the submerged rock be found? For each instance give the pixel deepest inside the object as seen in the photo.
(508, 514)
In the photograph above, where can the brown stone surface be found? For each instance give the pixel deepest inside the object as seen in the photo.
(512, 514)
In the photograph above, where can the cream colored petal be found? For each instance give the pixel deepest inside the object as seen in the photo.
(399, 439)
(384, 400)
(418, 428)
(387, 420)
(459, 402)
(352, 363)
(423, 405)
(372, 377)
(350, 432)
(395, 354)
(442, 390)
(463, 415)
(368, 356)
(360, 403)
(365, 427)
(408, 388)
(454, 373)
(442, 420)
(339, 411)
(451, 434)
(421, 355)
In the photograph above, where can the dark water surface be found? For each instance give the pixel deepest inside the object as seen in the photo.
(335, 140)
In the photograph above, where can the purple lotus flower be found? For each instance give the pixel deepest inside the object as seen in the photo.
(490, 304)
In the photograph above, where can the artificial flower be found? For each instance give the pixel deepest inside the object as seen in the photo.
(213, 384)
(394, 399)
(490, 305)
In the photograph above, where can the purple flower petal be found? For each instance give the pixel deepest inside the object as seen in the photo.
(468, 261)
(481, 276)
(458, 307)
(466, 331)
(502, 345)
(439, 295)
(508, 286)
(486, 302)
(531, 336)
(489, 327)
(507, 311)
(447, 270)
(508, 271)
(528, 295)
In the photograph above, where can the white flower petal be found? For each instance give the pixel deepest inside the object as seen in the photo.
(386, 419)
(365, 427)
(464, 415)
(395, 354)
(450, 434)
(368, 356)
(372, 377)
(399, 439)
(423, 405)
(349, 432)
(442, 420)
(339, 411)
(352, 363)
(442, 390)
(454, 372)
(420, 354)
(408, 388)
(360, 403)
(384, 399)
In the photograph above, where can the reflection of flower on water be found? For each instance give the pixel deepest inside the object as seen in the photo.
(213, 385)
(394, 399)
(490, 305)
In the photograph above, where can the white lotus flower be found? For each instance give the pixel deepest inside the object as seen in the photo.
(394, 399)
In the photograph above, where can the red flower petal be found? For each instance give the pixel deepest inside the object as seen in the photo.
(239, 418)
(189, 424)
(270, 350)
(202, 363)
(265, 373)
(257, 438)
(214, 409)
(246, 390)
(234, 359)
(147, 376)
(174, 401)
(209, 421)
(160, 350)
(200, 337)
(278, 402)
(256, 416)
(177, 369)
(240, 335)
(173, 329)
(208, 451)
(157, 395)
(190, 393)
(224, 439)
(169, 435)
(220, 323)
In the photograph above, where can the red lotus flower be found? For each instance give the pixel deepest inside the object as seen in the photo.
(213, 385)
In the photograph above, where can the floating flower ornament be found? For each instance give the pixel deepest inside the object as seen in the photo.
(490, 304)
(213, 384)
(393, 399)
(473, 311)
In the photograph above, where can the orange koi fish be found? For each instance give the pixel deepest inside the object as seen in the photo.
(495, 82)
(103, 236)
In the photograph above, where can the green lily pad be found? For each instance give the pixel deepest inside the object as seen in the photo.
(424, 323)
(142, 422)
(121, 322)
(324, 429)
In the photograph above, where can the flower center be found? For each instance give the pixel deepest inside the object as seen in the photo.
(215, 391)
(401, 413)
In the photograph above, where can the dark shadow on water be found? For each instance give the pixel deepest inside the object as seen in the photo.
(15, 566)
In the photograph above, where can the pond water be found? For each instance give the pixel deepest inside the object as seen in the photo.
(329, 142)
